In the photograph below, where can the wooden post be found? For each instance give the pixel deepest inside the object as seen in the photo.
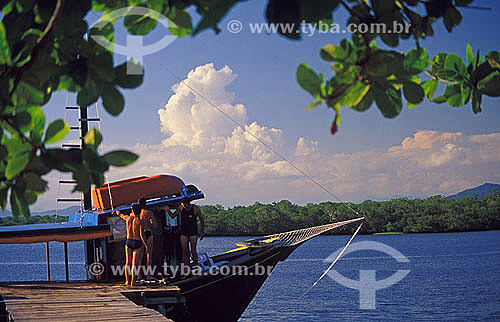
(66, 266)
(47, 255)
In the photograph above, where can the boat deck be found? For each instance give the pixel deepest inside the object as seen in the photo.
(81, 301)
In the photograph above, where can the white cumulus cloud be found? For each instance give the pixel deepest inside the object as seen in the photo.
(230, 163)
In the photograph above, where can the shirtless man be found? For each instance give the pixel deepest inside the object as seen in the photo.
(134, 245)
(150, 225)
(189, 229)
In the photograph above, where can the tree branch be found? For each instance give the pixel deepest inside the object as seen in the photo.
(39, 44)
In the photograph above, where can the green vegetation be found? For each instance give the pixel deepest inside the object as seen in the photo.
(434, 214)
(43, 50)
(390, 233)
(397, 216)
(7, 221)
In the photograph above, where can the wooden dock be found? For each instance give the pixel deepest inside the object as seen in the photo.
(81, 301)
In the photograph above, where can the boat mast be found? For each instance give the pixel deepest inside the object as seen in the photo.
(84, 128)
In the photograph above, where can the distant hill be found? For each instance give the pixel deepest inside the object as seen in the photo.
(479, 191)
(62, 212)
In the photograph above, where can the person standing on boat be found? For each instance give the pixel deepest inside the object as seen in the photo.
(150, 225)
(134, 245)
(189, 229)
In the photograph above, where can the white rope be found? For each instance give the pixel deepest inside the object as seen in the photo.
(335, 261)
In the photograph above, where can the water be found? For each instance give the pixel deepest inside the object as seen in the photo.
(452, 277)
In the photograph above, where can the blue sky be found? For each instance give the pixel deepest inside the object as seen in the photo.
(265, 84)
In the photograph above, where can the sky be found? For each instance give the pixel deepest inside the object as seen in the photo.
(427, 150)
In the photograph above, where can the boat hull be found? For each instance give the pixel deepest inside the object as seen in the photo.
(224, 297)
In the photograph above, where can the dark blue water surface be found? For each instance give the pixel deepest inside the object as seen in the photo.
(452, 277)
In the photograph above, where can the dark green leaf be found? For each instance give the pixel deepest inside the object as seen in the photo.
(214, 14)
(490, 85)
(23, 119)
(4, 47)
(35, 182)
(416, 60)
(18, 205)
(476, 101)
(454, 96)
(383, 7)
(83, 179)
(16, 164)
(56, 131)
(29, 94)
(180, 25)
(354, 94)
(413, 92)
(308, 80)
(93, 161)
(29, 196)
(120, 158)
(388, 100)
(89, 93)
(139, 24)
(430, 86)
(366, 102)
(112, 100)
(125, 80)
(100, 66)
(452, 18)
(284, 12)
(455, 63)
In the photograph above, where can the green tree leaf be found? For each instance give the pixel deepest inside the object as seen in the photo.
(416, 60)
(366, 102)
(308, 80)
(470, 55)
(18, 205)
(490, 85)
(35, 182)
(4, 46)
(56, 131)
(125, 80)
(16, 164)
(454, 95)
(93, 138)
(112, 100)
(452, 18)
(120, 158)
(413, 92)
(476, 101)
(388, 100)
(139, 25)
(29, 94)
(430, 86)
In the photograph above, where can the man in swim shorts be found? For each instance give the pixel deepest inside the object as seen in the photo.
(134, 245)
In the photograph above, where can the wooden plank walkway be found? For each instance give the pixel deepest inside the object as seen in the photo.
(77, 301)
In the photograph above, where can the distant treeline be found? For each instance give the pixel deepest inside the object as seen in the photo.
(434, 214)
(21, 220)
